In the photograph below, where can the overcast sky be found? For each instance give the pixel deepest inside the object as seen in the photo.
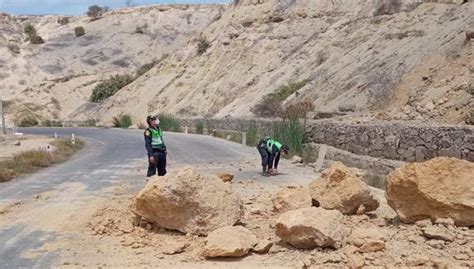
(76, 7)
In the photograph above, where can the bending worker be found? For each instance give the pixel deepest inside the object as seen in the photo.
(155, 147)
(270, 151)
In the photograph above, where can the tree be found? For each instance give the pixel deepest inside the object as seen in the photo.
(95, 11)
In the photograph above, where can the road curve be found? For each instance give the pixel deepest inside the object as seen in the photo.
(109, 154)
(110, 151)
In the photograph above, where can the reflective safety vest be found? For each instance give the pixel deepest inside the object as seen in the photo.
(271, 143)
(156, 138)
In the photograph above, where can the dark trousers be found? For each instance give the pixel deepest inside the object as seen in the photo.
(160, 164)
(265, 157)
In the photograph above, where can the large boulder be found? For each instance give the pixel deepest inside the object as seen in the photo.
(340, 187)
(439, 188)
(229, 241)
(189, 202)
(311, 227)
(291, 198)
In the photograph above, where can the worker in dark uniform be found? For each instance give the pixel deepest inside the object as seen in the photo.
(270, 150)
(155, 147)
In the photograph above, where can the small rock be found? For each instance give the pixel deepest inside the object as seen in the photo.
(439, 264)
(417, 260)
(296, 159)
(263, 246)
(332, 258)
(225, 177)
(149, 227)
(372, 246)
(255, 211)
(175, 248)
(361, 210)
(445, 221)
(361, 236)
(424, 223)
(437, 233)
(462, 257)
(356, 261)
(437, 244)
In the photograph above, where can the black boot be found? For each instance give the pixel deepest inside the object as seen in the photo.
(264, 172)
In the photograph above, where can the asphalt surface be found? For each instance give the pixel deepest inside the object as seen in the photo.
(109, 153)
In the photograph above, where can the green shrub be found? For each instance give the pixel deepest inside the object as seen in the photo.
(139, 30)
(267, 108)
(285, 91)
(169, 123)
(122, 121)
(89, 123)
(79, 31)
(199, 127)
(290, 132)
(63, 20)
(28, 121)
(109, 87)
(33, 37)
(298, 110)
(36, 40)
(37, 158)
(252, 134)
(271, 105)
(29, 30)
(202, 45)
(51, 123)
(144, 68)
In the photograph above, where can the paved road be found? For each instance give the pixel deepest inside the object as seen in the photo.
(108, 155)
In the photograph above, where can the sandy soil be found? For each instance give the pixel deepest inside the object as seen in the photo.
(14, 144)
(96, 230)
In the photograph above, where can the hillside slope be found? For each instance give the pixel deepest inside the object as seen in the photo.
(407, 58)
(390, 59)
(55, 78)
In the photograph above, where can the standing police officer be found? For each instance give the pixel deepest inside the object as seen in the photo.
(270, 151)
(155, 147)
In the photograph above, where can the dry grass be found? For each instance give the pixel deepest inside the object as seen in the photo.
(33, 160)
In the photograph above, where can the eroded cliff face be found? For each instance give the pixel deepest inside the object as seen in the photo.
(370, 56)
(387, 59)
(53, 79)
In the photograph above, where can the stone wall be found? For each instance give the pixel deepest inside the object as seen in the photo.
(397, 141)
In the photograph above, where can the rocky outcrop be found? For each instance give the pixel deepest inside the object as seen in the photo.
(342, 188)
(188, 201)
(439, 188)
(311, 227)
(229, 241)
